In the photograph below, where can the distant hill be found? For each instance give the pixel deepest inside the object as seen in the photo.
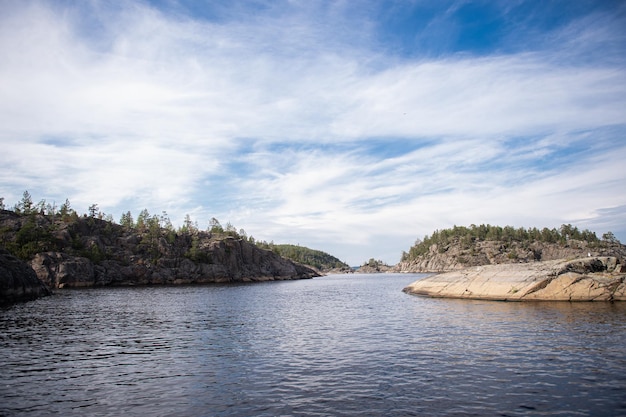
(461, 247)
(322, 261)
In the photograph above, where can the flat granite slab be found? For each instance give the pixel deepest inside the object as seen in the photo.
(584, 279)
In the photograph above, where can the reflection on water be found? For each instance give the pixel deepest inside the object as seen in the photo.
(337, 345)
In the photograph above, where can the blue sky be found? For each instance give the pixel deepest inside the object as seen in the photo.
(352, 127)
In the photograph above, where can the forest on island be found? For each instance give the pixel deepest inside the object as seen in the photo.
(35, 236)
(316, 258)
(466, 237)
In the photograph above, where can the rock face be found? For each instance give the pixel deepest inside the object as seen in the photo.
(18, 282)
(583, 279)
(231, 260)
(60, 270)
(455, 256)
(86, 251)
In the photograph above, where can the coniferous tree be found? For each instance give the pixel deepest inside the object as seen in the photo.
(609, 237)
(142, 220)
(127, 220)
(93, 210)
(189, 226)
(65, 210)
(165, 221)
(215, 226)
(25, 206)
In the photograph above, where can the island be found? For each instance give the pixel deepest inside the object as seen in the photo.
(42, 251)
(518, 264)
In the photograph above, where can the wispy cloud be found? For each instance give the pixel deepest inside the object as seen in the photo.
(299, 123)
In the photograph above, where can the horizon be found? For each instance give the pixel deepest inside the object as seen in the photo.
(353, 128)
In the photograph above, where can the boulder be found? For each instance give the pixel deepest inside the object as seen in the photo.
(18, 281)
(585, 279)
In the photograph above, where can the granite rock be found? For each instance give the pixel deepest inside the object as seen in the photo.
(584, 279)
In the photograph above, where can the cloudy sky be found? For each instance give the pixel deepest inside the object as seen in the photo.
(352, 127)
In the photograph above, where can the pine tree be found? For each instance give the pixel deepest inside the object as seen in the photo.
(127, 220)
(142, 220)
(25, 206)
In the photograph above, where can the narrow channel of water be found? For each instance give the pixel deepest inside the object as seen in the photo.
(337, 345)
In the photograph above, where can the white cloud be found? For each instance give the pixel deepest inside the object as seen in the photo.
(347, 200)
(278, 124)
(492, 96)
(177, 78)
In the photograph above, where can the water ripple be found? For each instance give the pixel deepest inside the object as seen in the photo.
(338, 345)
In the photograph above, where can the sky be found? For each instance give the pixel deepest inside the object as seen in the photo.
(351, 127)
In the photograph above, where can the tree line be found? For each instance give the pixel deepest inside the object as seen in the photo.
(144, 222)
(301, 254)
(508, 234)
(35, 236)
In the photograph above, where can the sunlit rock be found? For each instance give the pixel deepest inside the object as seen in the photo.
(585, 279)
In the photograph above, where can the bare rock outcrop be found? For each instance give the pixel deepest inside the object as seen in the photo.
(75, 251)
(59, 270)
(18, 282)
(223, 260)
(456, 256)
(583, 279)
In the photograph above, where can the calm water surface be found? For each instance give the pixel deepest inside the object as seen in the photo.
(337, 345)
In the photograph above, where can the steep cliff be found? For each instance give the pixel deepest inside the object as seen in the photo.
(18, 282)
(86, 251)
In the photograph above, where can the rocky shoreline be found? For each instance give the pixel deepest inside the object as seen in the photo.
(40, 252)
(237, 261)
(231, 260)
(18, 282)
(582, 279)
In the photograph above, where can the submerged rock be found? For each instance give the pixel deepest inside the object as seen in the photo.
(585, 279)
(18, 282)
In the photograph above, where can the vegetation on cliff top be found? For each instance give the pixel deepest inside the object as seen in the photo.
(45, 227)
(510, 239)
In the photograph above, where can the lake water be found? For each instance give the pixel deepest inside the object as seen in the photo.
(345, 345)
